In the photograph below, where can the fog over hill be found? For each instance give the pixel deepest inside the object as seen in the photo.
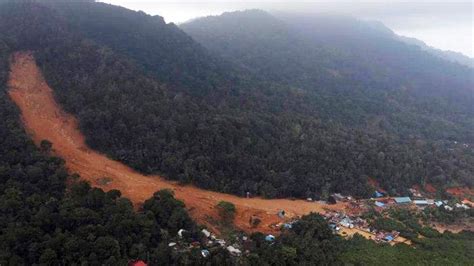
(446, 25)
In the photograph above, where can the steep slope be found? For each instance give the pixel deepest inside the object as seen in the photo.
(48, 216)
(356, 72)
(45, 120)
(163, 49)
(249, 134)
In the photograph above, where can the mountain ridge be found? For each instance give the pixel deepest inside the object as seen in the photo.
(242, 131)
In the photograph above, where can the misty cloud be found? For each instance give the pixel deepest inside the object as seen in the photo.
(446, 25)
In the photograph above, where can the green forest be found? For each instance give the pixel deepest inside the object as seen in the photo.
(162, 103)
(43, 222)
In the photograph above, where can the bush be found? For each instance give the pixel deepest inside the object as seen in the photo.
(226, 210)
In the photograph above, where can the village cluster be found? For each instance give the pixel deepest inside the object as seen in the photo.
(351, 217)
(236, 247)
(417, 200)
(344, 221)
(347, 221)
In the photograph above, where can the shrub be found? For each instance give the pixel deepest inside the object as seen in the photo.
(226, 210)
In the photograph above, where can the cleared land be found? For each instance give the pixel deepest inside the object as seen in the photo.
(44, 119)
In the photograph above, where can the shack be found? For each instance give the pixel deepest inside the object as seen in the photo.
(338, 197)
(379, 204)
(281, 213)
(378, 194)
(421, 202)
(270, 238)
(402, 200)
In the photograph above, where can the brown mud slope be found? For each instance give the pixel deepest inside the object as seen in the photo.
(461, 192)
(44, 119)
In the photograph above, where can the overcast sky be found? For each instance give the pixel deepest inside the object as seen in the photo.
(446, 25)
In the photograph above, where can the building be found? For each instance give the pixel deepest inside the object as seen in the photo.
(421, 202)
(206, 233)
(463, 206)
(415, 192)
(379, 204)
(234, 251)
(281, 213)
(347, 222)
(180, 232)
(468, 202)
(270, 238)
(378, 194)
(447, 207)
(205, 253)
(402, 200)
(338, 196)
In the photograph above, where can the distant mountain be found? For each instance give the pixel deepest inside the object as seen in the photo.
(335, 58)
(447, 55)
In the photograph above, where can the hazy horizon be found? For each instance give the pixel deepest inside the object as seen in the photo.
(443, 25)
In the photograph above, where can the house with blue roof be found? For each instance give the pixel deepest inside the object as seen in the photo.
(378, 194)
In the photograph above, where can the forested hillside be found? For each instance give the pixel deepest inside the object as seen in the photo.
(42, 222)
(355, 72)
(246, 132)
(161, 48)
(218, 125)
(448, 55)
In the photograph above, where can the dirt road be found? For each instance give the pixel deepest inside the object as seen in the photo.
(44, 119)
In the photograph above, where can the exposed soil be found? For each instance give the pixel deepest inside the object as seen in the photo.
(430, 188)
(466, 225)
(460, 192)
(375, 184)
(44, 119)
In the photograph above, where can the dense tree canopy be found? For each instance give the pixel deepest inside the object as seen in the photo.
(255, 136)
(42, 222)
(176, 110)
(355, 72)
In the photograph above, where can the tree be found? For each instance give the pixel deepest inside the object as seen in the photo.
(226, 211)
(46, 146)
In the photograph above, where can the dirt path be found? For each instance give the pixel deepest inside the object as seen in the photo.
(44, 119)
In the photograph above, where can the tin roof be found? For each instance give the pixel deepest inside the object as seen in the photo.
(402, 199)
